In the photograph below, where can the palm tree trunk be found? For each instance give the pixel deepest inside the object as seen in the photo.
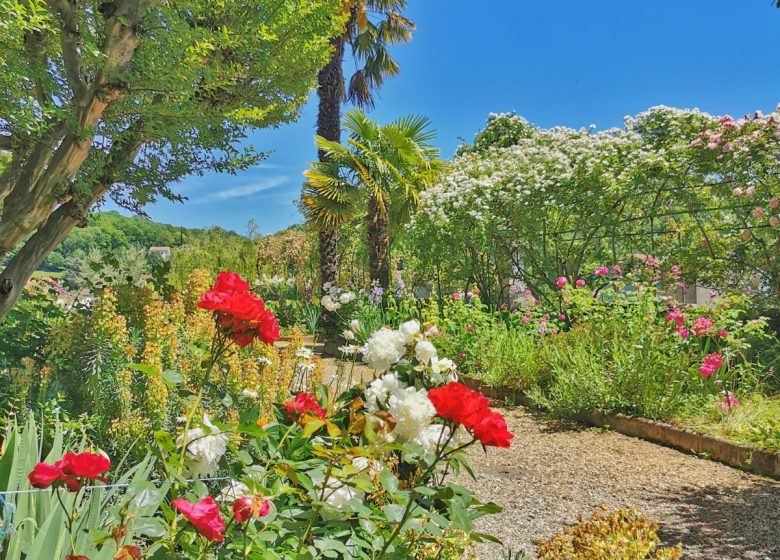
(330, 89)
(378, 244)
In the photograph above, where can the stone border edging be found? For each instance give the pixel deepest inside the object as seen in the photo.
(757, 461)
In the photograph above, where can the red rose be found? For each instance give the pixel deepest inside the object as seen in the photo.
(242, 509)
(230, 282)
(84, 465)
(204, 516)
(303, 404)
(73, 557)
(458, 403)
(491, 430)
(43, 475)
(269, 329)
(247, 507)
(240, 314)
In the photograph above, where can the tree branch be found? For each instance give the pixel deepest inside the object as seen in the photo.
(70, 41)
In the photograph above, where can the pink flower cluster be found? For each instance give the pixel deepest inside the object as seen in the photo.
(712, 363)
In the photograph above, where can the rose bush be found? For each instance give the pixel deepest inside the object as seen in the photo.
(361, 474)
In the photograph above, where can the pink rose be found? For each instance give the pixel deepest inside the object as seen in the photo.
(580, 283)
(561, 282)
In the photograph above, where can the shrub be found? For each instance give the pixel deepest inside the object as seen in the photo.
(626, 534)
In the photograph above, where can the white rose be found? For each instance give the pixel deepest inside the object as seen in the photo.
(338, 495)
(354, 325)
(409, 329)
(380, 389)
(385, 348)
(412, 410)
(348, 335)
(346, 297)
(425, 352)
(205, 447)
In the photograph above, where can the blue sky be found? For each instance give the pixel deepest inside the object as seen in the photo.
(561, 62)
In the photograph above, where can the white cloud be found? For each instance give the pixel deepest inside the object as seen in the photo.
(241, 191)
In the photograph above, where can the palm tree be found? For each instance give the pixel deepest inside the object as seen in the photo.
(383, 167)
(372, 26)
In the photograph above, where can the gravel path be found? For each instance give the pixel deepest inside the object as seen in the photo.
(556, 470)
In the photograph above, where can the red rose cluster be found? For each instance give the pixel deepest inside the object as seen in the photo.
(72, 471)
(303, 404)
(240, 312)
(471, 409)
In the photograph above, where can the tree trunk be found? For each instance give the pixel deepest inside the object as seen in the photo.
(15, 276)
(330, 89)
(50, 234)
(378, 244)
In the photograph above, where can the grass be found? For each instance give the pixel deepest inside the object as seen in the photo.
(756, 421)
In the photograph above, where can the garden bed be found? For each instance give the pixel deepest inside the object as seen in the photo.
(758, 461)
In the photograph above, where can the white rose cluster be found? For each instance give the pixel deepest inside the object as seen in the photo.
(335, 297)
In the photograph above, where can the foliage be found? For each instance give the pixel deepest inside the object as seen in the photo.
(125, 361)
(124, 100)
(624, 533)
(107, 518)
(383, 166)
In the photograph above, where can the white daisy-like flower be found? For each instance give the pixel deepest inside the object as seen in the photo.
(349, 349)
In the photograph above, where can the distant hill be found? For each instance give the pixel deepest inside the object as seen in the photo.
(110, 231)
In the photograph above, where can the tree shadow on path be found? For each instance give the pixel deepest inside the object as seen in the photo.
(744, 522)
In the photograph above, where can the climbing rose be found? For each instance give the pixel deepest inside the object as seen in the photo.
(71, 470)
(712, 363)
(458, 403)
(204, 516)
(601, 271)
(303, 404)
(230, 282)
(491, 430)
(580, 283)
(44, 475)
(561, 281)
